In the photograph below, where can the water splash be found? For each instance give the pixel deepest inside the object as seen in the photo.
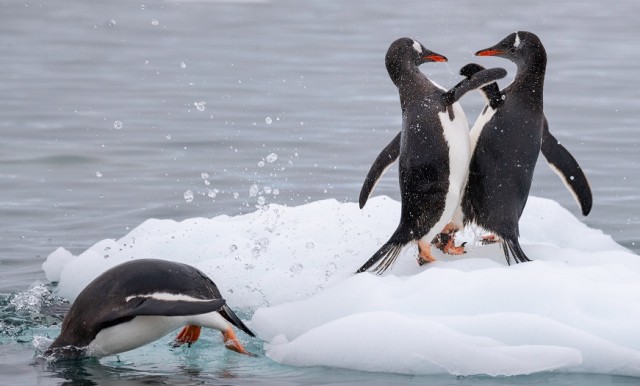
(117, 125)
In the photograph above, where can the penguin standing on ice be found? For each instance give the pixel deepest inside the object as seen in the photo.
(433, 150)
(140, 301)
(506, 140)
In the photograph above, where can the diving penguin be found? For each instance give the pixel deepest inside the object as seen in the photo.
(506, 140)
(140, 301)
(433, 150)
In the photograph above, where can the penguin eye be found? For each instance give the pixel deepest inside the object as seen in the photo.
(513, 50)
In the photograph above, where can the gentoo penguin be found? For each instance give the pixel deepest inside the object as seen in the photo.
(506, 140)
(140, 301)
(433, 150)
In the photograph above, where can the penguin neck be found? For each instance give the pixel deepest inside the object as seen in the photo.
(529, 79)
(403, 73)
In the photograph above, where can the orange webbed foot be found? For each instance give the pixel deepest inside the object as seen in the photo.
(232, 342)
(425, 255)
(189, 335)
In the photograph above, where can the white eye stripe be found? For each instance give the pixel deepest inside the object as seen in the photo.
(417, 46)
(516, 43)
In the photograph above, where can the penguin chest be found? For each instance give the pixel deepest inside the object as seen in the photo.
(456, 135)
(478, 126)
(145, 329)
(135, 333)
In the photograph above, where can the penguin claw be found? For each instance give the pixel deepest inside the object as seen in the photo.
(451, 249)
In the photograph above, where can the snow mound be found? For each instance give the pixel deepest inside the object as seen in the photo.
(575, 308)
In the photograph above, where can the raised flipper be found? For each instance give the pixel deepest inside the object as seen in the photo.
(495, 97)
(478, 79)
(387, 156)
(567, 168)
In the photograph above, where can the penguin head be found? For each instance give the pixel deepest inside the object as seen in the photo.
(520, 47)
(407, 54)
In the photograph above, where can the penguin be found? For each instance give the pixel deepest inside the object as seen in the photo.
(433, 149)
(140, 301)
(506, 140)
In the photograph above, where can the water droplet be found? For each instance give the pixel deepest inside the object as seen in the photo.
(272, 157)
(142, 6)
(112, 23)
(200, 106)
(168, 136)
(211, 193)
(154, 22)
(207, 182)
(260, 164)
(98, 174)
(253, 190)
(261, 200)
(117, 125)
(296, 268)
(183, 64)
(571, 178)
(204, 175)
(263, 242)
(256, 252)
(276, 191)
(188, 196)
(267, 190)
(236, 195)
(233, 247)
(310, 245)
(330, 270)
(249, 266)
(268, 120)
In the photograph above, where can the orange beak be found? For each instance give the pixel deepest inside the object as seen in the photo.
(436, 58)
(488, 52)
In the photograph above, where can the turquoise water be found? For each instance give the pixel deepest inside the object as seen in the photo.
(102, 127)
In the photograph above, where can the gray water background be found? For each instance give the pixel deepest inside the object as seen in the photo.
(102, 124)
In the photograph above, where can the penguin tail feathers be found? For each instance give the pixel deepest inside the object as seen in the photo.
(511, 247)
(387, 255)
(232, 318)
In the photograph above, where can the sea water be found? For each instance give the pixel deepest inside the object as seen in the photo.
(115, 113)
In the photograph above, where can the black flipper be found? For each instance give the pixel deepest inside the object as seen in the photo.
(232, 318)
(491, 91)
(148, 306)
(387, 156)
(479, 79)
(567, 168)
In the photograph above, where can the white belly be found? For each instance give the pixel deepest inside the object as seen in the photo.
(479, 125)
(456, 133)
(142, 330)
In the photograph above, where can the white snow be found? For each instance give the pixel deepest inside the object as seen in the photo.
(576, 308)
